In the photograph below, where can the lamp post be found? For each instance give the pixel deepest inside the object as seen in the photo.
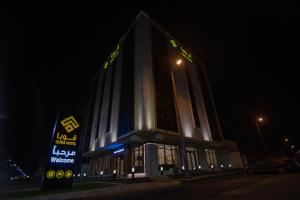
(259, 121)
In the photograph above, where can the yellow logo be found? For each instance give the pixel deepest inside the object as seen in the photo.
(59, 174)
(68, 174)
(50, 174)
(70, 124)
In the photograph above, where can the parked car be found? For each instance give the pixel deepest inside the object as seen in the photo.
(273, 164)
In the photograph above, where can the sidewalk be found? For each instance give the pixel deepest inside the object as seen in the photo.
(118, 190)
(126, 190)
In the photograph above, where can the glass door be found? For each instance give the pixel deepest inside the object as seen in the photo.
(119, 165)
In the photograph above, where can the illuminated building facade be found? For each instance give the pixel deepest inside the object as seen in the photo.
(152, 109)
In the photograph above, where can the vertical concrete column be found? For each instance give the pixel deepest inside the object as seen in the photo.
(206, 134)
(144, 84)
(105, 106)
(96, 114)
(151, 160)
(183, 101)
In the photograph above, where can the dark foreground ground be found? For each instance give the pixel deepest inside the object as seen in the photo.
(235, 187)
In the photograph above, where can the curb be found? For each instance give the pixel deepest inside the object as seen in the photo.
(211, 176)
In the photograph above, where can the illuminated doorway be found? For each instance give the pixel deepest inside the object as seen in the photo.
(119, 164)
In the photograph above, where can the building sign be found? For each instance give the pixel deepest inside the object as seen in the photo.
(187, 55)
(118, 151)
(63, 154)
(112, 57)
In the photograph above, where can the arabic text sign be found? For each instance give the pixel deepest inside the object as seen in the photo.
(63, 153)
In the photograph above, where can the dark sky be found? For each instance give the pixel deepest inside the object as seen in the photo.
(49, 55)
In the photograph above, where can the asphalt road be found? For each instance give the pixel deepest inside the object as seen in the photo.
(235, 187)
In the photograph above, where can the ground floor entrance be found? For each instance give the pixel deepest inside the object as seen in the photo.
(154, 159)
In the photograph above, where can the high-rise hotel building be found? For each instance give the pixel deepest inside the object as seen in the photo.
(153, 110)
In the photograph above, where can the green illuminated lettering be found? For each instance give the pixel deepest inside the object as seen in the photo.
(105, 65)
(187, 55)
(173, 43)
(112, 57)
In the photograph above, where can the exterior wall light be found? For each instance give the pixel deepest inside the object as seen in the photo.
(222, 166)
(132, 172)
(115, 173)
(229, 165)
(78, 175)
(179, 62)
(84, 174)
(199, 167)
(182, 167)
(101, 173)
(212, 166)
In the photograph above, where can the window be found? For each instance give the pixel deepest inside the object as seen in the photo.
(192, 158)
(96, 167)
(137, 158)
(211, 157)
(167, 155)
(110, 100)
(126, 109)
(106, 164)
(165, 105)
(137, 155)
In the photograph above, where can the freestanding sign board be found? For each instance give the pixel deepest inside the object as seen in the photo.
(63, 153)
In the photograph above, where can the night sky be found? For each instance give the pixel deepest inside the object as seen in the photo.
(50, 54)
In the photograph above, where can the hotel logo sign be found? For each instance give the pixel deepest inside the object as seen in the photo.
(70, 124)
(63, 153)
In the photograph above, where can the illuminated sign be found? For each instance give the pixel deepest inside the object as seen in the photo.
(118, 151)
(70, 124)
(63, 153)
(112, 57)
(183, 52)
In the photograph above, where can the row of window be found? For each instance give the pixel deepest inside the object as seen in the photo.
(165, 105)
(211, 157)
(168, 155)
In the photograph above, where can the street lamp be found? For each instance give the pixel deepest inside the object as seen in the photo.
(259, 121)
